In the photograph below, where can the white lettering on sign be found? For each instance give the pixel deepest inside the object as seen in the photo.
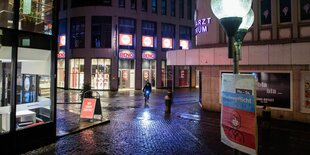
(201, 25)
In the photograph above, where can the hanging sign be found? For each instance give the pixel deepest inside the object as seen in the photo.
(125, 39)
(184, 44)
(147, 41)
(148, 55)
(166, 42)
(62, 40)
(126, 54)
(88, 108)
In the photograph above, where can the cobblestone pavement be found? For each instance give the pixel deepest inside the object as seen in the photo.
(138, 129)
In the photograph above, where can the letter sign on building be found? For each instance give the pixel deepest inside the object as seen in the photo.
(148, 55)
(126, 54)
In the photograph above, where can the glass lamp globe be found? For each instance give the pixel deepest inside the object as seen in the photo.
(230, 8)
(247, 20)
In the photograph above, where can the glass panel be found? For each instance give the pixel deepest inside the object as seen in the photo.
(101, 32)
(6, 13)
(5, 85)
(101, 74)
(163, 74)
(144, 5)
(304, 9)
(36, 16)
(76, 77)
(181, 8)
(285, 11)
(154, 6)
(164, 7)
(265, 11)
(133, 4)
(61, 73)
(121, 3)
(33, 87)
(172, 8)
(77, 36)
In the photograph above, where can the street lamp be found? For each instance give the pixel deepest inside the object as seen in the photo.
(247, 22)
(230, 13)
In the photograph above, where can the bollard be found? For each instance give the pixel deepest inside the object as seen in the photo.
(170, 95)
(167, 104)
(266, 117)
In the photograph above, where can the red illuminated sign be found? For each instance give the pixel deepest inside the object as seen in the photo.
(88, 108)
(184, 44)
(62, 40)
(147, 41)
(166, 42)
(148, 55)
(61, 54)
(125, 39)
(126, 54)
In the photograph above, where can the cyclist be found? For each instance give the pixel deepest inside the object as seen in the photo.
(147, 89)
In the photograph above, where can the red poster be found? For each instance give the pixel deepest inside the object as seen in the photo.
(183, 78)
(146, 75)
(88, 108)
(124, 75)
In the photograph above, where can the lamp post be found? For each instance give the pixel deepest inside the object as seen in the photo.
(247, 22)
(230, 14)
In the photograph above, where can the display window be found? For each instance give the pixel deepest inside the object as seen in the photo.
(6, 13)
(149, 72)
(126, 74)
(35, 16)
(61, 63)
(184, 75)
(5, 84)
(76, 73)
(33, 88)
(101, 73)
(163, 74)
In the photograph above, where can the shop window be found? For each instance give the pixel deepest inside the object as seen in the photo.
(101, 32)
(285, 11)
(149, 72)
(265, 12)
(133, 4)
(144, 5)
(61, 73)
(81, 3)
(121, 3)
(172, 8)
(304, 6)
(6, 13)
(181, 9)
(36, 16)
(101, 72)
(163, 74)
(164, 7)
(189, 10)
(76, 73)
(33, 87)
(154, 6)
(77, 31)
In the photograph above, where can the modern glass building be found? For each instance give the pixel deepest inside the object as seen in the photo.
(275, 50)
(121, 44)
(28, 38)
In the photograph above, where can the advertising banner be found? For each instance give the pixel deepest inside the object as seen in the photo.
(147, 41)
(88, 108)
(273, 88)
(238, 114)
(305, 92)
(167, 43)
(125, 39)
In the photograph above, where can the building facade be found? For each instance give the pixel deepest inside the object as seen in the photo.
(121, 44)
(28, 39)
(275, 50)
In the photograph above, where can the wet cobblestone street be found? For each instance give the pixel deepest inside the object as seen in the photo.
(138, 129)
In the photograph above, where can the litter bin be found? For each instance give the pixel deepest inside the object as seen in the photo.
(167, 104)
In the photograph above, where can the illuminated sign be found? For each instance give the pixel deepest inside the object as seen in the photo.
(125, 39)
(201, 25)
(62, 40)
(167, 43)
(126, 54)
(148, 55)
(147, 41)
(184, 44)
(61, 54)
